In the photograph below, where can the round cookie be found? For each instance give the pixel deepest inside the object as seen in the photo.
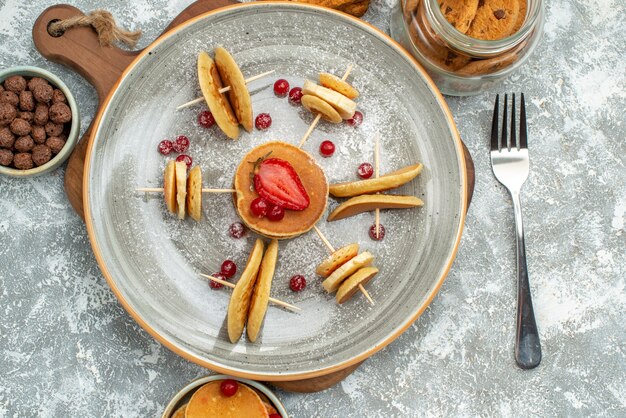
(495, 19)
(460, 13)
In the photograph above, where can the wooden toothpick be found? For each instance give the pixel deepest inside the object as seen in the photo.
(319, 115)
(331, 249)
(224, 90)
(160, 190)
(376, 173)
(271, 299)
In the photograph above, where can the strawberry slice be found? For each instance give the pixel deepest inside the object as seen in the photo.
(277, 181)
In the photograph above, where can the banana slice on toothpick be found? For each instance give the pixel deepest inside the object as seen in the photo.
(375, 185)
(181, 187)
(369, 202)
(333, 281)
(210, 84)
(344, 106)
(239, 96)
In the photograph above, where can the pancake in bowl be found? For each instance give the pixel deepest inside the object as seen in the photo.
(311, 176)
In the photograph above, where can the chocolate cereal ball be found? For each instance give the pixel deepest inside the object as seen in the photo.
(34, 82)
(27, 116)
(7, 113)
(6, 157)
(38, 134)
(55, 144)
(53, 129)
(27, 101)
(41, 114)
(15, 83)
(20, 127)
(24, 144)
(60, 113)
(41, 154)
(43, 93)
(1, 87)
(23, 161)
(7, 139)
(58, 96)
(9, 97)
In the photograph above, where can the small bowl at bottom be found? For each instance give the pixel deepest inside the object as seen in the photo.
(185, 394)
(72, 137)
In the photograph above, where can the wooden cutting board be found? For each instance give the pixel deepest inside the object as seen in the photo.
(80, 50)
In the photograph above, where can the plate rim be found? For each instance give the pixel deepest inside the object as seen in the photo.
(276, 376)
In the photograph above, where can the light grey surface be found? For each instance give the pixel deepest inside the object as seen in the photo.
(69, 349)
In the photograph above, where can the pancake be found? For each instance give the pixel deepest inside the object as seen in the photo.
(295, 222)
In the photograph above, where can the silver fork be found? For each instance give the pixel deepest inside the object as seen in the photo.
(509, 162)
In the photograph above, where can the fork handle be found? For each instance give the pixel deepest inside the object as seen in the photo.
(527, 344)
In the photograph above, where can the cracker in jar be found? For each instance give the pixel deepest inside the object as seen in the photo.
(495, 19)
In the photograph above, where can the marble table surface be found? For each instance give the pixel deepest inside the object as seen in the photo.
(67, 347)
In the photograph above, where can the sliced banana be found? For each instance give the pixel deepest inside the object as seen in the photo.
(375, 185)
(333, 281)
(261, 295)
(340, 86)
(181, 187)
(337, 259)
(169, 186)
(194, 193)
(351, 285)
(344, 106)
(238, 95)
(369, 202)
(210, 83)
(317, 105)
(240, 298)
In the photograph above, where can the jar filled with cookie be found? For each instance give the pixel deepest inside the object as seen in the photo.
(468, 45)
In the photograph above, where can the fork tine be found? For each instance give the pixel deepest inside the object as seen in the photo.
(494, 126)
(522, 125)
(513, 133)
(504, 144)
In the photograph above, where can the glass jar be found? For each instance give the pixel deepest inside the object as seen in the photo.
(459, 64)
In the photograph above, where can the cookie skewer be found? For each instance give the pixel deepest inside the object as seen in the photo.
(224, 90)
(271, 299)
(319, 115)
(332, 250)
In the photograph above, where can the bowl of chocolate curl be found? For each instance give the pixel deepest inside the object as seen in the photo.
(39, 122)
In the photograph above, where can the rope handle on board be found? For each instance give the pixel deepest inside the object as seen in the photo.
(104, 25)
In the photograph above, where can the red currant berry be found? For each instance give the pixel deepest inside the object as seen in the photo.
(228, 269)
(259, 207)
(281, 87)
(237, 230)
(206, 119)
(229, 387)
(356, 120)
(295, 95)
(166, 147)
(297, 283)
(276, 213)
(365, 170)
(181, 144)
(275, 416)
(327, 148)
(186, 159)
(263, 121)
(381, 232)
(215, 285)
